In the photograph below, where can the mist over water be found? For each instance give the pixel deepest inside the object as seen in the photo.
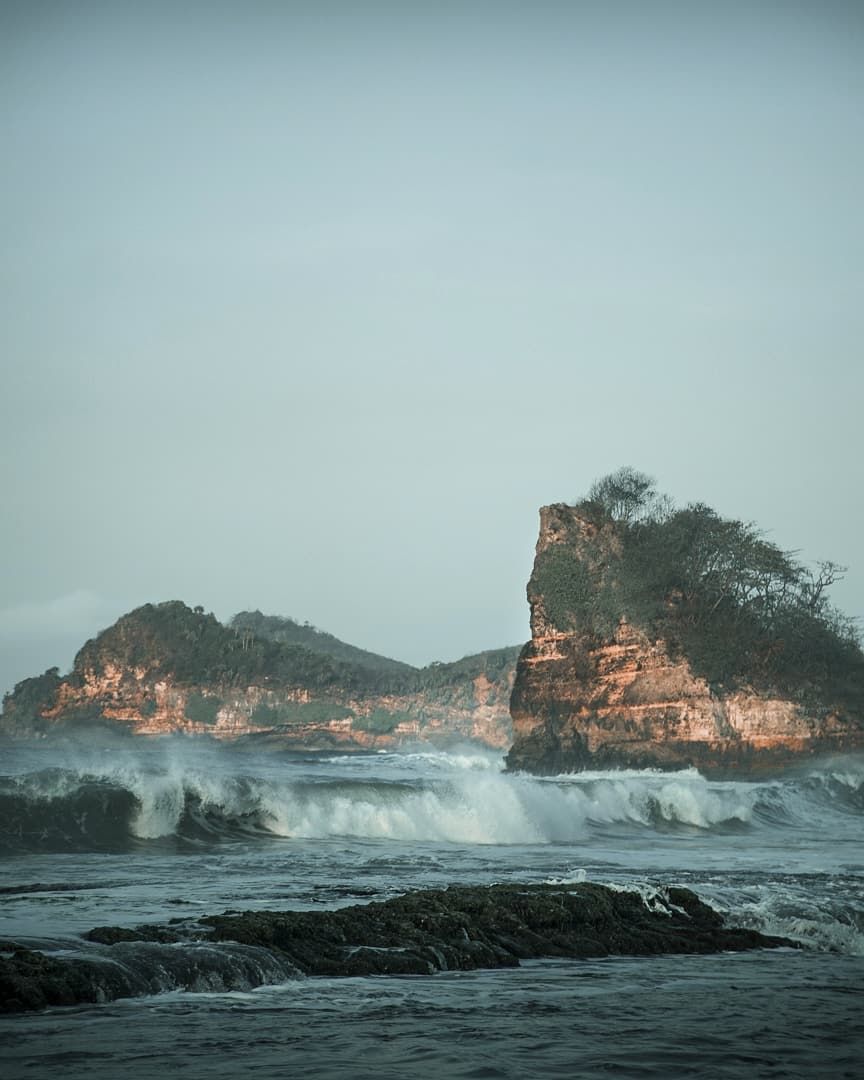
(123, 834)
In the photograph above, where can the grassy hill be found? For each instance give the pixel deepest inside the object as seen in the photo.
(286, 631)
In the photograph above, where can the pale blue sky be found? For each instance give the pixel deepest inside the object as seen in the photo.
(309, 307)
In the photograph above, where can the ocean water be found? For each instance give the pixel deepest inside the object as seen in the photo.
(120, 835)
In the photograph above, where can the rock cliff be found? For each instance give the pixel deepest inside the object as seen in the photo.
(596, 688)
(167, 668)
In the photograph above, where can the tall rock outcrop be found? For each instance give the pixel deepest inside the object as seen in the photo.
(594, 688)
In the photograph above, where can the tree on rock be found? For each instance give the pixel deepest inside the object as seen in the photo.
(627, 495)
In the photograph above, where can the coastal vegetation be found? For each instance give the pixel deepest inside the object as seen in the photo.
(379, 721)
(202, 708)
(255, 649)
(741, 609)
(286, 631)
(287, 714)
(197, 649)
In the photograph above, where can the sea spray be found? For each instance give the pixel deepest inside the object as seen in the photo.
(425, 797)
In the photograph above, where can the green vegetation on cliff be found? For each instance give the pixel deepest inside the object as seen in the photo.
(198, 650)
(453, 684)
(202, 708)
(289, 632)
(737, 606)
(32, 696)
(379, 721)
(450, 683)
(296, 713)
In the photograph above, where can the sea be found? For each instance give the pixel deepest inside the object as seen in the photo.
(122, 834)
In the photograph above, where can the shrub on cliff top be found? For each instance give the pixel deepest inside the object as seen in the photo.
(197, 649)
(739, 607)
(626, 496)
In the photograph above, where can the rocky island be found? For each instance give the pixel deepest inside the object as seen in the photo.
(661, 637)
(261, 681)
(666, 638)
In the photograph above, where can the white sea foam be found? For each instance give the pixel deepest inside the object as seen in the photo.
(425, 760)
(484, 811)
(573, 877)
(831, 920)
(494, 808)
(460, 797)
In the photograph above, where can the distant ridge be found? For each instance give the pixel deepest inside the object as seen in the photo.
(166, 668)
(288, 631)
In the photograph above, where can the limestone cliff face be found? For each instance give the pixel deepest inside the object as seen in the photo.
(625, 701)
(141, 706)
(166, 669)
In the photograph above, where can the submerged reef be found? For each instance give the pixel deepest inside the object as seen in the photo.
(419, 933)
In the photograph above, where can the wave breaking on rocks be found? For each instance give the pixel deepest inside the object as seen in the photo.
(423, 932)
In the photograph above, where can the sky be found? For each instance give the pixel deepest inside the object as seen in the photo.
(310, 307)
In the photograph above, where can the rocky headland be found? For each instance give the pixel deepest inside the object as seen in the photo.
(261, 681)
(666, 638)
(420, 933)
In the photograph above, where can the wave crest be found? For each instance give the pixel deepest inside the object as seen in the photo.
(464, 799)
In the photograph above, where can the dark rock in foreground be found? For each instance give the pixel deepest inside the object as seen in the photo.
(462, 928)
(32, 980)
(420, 933)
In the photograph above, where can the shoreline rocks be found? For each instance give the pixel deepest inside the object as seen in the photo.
(424, 932)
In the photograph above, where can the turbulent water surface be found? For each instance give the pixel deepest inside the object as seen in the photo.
(116, 836)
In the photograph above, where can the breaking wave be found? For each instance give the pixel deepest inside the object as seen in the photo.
(464, 798)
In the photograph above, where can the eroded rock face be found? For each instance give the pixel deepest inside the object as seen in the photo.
(139, 704)
(580, 703)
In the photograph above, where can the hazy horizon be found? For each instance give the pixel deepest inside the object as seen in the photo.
(310, 307)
